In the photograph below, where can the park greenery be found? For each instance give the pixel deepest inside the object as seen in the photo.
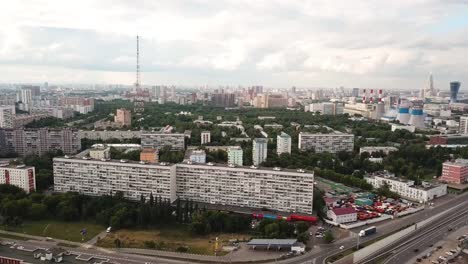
(150, 212)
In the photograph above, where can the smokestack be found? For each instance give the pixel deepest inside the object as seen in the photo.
(364, 97)
(380, 95)
(372, 95)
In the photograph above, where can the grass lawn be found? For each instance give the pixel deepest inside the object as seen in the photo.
(170, 238)
(59, 230)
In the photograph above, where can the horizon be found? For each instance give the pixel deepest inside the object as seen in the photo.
(271, 43)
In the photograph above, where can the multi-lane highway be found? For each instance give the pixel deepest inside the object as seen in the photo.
(403, 249)
(318, 256)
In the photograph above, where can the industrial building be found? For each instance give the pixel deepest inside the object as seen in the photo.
(159, 140)
(406, 188)
(332, 143)
(20, 176)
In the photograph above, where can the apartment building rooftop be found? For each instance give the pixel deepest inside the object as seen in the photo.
(12, 166)
(223, 165)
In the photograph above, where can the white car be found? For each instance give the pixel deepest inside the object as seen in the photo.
(109, 229)
(342, 247)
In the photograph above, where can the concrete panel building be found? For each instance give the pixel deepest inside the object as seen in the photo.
(98, 178)
(159, 140)
(123, 117)
(106, 135)
(235, 156)
(259, 150)
(287, 191)
(39, 141)
(283, 143)
(332, 143)
(20, 176)
(205, 137)
(7, 116)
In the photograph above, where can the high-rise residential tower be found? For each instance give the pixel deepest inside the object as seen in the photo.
(283, 143)
(259, 150)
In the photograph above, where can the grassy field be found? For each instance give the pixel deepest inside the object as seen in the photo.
(170, 239)
(59, 230)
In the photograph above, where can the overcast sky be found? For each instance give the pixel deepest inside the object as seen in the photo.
(275, 43)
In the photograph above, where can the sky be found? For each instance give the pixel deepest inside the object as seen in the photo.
(275, 43)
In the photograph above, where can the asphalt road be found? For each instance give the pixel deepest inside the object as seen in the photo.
(401, 251)
(318, 256)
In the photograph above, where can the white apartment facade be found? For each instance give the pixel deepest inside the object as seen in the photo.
(288, 191)
(205, 137)
(98, 178)
(7, 116)
(406, 188)
(21, 176)
(372, 150)
(235, 156)
(463, 125)
(332, 143)
(158, 140)
(259, 150)
(283, 143)
(106, 135)
(246, 187)
(198, 156)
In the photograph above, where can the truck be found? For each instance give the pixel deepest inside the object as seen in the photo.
(368, 231)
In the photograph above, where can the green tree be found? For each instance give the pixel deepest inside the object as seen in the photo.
(328, 237)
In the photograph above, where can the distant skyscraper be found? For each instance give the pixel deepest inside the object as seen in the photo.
(428, 90)
(454, 88)
(355, 92)
(259, 150)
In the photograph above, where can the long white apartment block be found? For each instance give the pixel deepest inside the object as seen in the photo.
(332, 143)
(159, 140)
(108, 134)
(107, 177)
(287, 191)
(20, 176)
(251, 187)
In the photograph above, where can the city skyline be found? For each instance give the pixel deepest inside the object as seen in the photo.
(276, 44)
